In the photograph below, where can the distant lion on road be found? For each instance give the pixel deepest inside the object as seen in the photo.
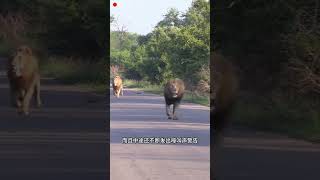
(117, 86)
(173, 93)
(24, 79)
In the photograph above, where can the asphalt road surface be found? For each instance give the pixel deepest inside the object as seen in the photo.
(247, 154)
(66, 139)
(137, 114)
(252, 155)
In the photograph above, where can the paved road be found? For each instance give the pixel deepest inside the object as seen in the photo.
(66, 139)
(251, 155)
(143, 115)
(248, 154)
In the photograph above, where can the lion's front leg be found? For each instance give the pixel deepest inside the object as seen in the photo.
(118, 93)
(114, 92)
(121, 90)
(168, 111)
(174, 111)
(19, 99)
(27, 98)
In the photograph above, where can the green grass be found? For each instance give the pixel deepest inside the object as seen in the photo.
(157, 89)
(83, 74)
(96, 88)
(296, 119)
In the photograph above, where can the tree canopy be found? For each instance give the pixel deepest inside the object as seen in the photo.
(178, 46)
(267, 39)
(67, 27)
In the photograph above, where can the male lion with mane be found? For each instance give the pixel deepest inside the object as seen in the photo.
(223, 97)
(173, 93)
(24, 79)
(117, 86)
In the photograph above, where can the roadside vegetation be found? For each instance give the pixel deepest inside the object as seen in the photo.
(178, 47)
(275, 46)
(88, 74)
(189, 96)
(71, 48)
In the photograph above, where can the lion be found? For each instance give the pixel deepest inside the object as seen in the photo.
(173, 93)
(223, 95)
(117, 86)
(24, 79)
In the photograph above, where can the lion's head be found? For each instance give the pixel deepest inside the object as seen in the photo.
(117, 81)
(18, 60)
(174, 88)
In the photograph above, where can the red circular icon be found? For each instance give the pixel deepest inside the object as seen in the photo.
(114, 4)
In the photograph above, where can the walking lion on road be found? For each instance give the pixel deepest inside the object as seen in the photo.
(117, 86)
(24, 79)
(173, 93)
(223, 95)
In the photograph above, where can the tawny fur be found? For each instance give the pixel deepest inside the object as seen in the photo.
(117, 86)
(223, 95)
(173, 93)
(24, 79)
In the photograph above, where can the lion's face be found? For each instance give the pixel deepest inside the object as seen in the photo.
(174, 90)
(117, 81)
(18, 60)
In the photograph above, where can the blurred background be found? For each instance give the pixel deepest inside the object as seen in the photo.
(70, 37)
(275, 46)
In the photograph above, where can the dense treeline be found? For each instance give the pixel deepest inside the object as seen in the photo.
(275, 45)
(68, 36)
(178, 47)
(264, 37)
(62, 27)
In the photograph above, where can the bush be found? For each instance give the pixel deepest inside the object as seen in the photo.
(274, 112)
(75, 70)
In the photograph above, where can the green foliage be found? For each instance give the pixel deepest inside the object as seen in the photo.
(179, 47)
(251, 32)
(170, 19)
(75, 71)
(294, 117)
(303, 65)
(275, 45)
(158, 89)
(64, 27)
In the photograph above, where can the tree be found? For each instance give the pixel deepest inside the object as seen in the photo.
(181, 51)
(65, 27)
(171, 18)
(178, 47)
(303, 47)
